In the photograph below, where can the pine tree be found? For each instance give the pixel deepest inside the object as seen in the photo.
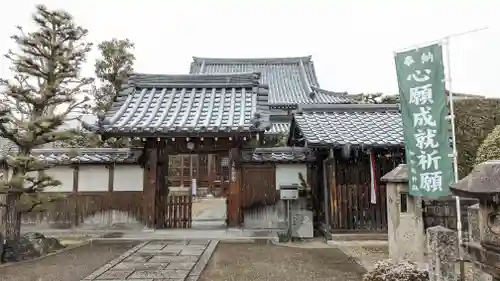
(45, 88)
(113, 70)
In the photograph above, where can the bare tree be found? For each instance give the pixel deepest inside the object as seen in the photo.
(45, 88)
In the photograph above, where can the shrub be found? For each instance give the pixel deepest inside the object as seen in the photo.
(402, 271)
(490, 148)
(475, 119)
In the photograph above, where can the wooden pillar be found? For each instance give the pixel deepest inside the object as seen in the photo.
(210, 172)
(182, 170)
(111, 180)
(198, 172)
(76, 215)
(161, 188)
(149, 191)
(234, 212)
(332, 173)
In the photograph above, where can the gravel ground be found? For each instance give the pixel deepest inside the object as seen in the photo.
(252, 262)
(207, 204)
(71, 265)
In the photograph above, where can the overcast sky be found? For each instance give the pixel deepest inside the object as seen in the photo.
(351, 41)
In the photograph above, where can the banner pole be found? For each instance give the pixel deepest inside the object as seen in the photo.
(454, 155)
(459, 34)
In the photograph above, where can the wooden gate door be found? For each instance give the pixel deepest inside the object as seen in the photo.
(175, 212)
(172, 211)
(353, 209)
(259, 185)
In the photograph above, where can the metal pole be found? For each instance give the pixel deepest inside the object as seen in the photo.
(454, 155)
(442, 39)
(289, 213)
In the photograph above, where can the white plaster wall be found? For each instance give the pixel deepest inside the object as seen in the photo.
(289, 174)
(64, 174)
(128, 178)
(93, 178)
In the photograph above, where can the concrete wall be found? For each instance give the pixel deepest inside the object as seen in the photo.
(289, 174)
(273, 216)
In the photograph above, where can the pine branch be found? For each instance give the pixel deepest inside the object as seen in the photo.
(45, 88)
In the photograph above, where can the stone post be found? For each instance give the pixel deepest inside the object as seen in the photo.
(474, 226)
(442, 253)
(405, 219)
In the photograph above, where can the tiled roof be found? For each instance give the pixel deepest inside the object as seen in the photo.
(278, 128)
(354, 124)
(86, 155)
(280, 124)
(279, 155)
(185, 105)
(291, 81)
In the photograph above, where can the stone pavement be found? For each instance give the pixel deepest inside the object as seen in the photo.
(159, 260)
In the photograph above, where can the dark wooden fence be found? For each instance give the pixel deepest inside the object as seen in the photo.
(354, 211)
(74, 208)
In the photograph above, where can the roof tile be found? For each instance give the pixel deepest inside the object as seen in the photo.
(63, 156)
(291, 81)
(189, 104)
(279, 155)
(361, 124)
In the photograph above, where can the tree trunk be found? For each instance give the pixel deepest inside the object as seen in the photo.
(12, 222)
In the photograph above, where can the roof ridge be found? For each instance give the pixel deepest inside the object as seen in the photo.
(221, 79)
(81, 150)
(323, 91)
(269, 60)
(348, 108)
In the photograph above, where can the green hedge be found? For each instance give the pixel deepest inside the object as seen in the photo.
(490, 148)
(475, 120)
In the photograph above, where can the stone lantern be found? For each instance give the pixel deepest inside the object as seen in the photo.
(483, 183)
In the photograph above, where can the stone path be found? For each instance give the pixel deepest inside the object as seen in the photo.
(159, 261)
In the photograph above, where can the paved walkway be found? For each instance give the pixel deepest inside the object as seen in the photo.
(159, 260)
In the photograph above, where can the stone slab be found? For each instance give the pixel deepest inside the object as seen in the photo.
(159, 260)
(114, 262)
(115, 274)
(172, 274)
(163, 259)
(202, 262)
(180, 265)
(139, 266)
